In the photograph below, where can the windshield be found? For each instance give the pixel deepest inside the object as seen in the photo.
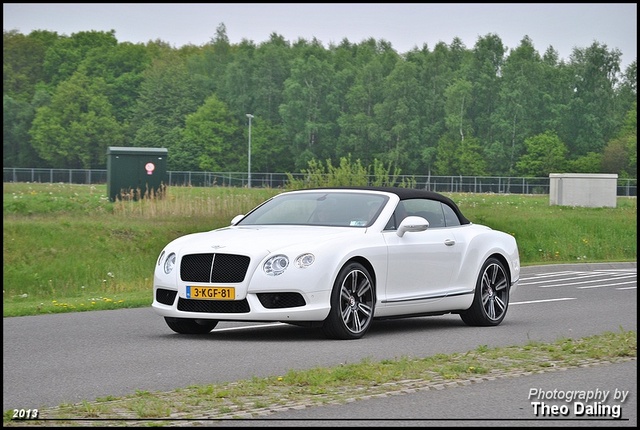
(318, 208)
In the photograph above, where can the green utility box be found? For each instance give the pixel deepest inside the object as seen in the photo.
(135, 173)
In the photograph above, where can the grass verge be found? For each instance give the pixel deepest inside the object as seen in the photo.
(66, 248)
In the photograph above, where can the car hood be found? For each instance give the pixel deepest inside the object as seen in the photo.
(260, 240)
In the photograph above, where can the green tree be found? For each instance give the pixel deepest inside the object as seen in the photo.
(208, 65)
(485, 73)
(591, 113)
(270, 151)
(627, 92)
(122, 67)
(272, 68)
(458, 100)
(64, 58)
(360, 133)
(615, 157)
(305, 95)
(545, 153)
(459, 128)
(523, 107)
(435, 71)
(630, 134)
(346, 173)
(400, 126)
(590, 163)
(167, 95)
(23, 62)
(472, 161)
(447, 160)
(452, 110)
(16, 142)
(621, 154)
(212, 137)
(237, 88)
(76, 129)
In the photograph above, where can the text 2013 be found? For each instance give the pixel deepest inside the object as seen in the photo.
(24, 414)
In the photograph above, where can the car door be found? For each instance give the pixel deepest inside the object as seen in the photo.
(420, 264)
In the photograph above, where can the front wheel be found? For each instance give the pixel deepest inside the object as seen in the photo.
(491, 299)
(352, 304)
(190, 326)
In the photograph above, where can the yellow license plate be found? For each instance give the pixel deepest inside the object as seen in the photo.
(211, 293)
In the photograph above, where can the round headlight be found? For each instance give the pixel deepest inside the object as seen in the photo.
(276, 265)
(305, 260)
(169, 263)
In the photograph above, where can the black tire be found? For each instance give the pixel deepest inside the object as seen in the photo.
(491, 299)
(352, 304)
(190, 326)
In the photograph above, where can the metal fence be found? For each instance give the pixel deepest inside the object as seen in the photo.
(443, 184)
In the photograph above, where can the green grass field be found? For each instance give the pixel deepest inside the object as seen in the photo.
(68, 248)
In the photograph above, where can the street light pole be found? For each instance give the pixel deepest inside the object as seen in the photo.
(249, 163)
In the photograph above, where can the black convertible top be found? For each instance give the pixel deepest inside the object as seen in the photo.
(411, 193)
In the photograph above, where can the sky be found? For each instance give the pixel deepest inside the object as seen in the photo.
(405, 25)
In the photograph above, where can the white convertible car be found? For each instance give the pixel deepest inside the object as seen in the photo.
(338, 258)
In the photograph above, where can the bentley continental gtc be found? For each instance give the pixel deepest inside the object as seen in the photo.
(338, 259)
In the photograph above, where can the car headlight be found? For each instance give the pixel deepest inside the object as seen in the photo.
(305, 260)
(276, 265)
(170, 263)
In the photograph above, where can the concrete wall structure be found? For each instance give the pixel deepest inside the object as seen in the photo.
(583, 189)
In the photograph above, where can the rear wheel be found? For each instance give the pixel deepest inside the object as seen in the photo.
(190, 326)
(352, 304)
(492, 296)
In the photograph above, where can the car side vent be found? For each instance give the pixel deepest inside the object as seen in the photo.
(210, 267)
(281, 300)
(166, 297)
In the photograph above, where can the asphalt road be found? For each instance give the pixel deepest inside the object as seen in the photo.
(67, 358)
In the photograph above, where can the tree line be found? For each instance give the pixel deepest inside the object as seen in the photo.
(446, 110)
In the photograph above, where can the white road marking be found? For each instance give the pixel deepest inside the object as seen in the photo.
(542, 301)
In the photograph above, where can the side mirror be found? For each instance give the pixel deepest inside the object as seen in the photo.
(236, 219)
(412, 224)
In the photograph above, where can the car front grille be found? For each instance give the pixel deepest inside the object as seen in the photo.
(211, 267)
(213, 306)
(223, 268)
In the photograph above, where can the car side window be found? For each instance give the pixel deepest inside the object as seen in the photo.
(431, 210)
(437, 213)
(396, 218)
(450, 217)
